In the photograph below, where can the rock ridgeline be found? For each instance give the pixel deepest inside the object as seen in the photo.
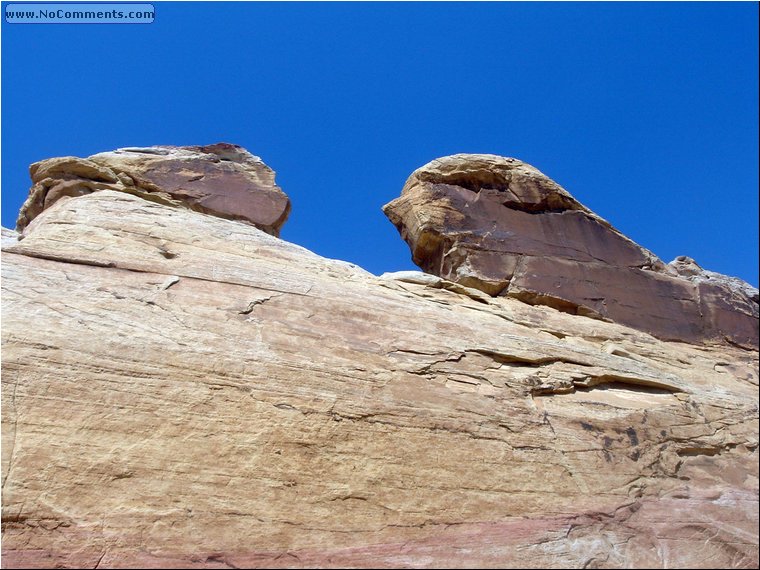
(222, 179)
(501, 226)
(184, 390)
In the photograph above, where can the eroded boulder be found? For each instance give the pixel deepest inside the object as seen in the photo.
(222, 179)
(499, 225)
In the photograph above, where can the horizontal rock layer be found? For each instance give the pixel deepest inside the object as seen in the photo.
(221, 179)
(501, 226)
(181, 390)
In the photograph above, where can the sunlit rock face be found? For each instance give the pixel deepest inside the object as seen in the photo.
(221, 179)
(501, 226)
(181, 389)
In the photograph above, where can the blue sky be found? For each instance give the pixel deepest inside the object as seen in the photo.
(647, 113)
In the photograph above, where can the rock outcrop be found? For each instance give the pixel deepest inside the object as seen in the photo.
(182, 390)
(501, 226)
(221, 179)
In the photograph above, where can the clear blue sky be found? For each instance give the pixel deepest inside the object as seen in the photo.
(647, 113)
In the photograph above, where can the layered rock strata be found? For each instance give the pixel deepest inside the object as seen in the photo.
(221, 179)
(182, 390)
(501, 226)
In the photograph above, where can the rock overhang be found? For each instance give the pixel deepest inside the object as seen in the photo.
(502, 226)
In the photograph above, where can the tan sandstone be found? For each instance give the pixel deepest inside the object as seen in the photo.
(182, 390)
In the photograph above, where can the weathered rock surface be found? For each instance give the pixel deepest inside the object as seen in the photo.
(221, 179)
(183, 390)
(501, 226)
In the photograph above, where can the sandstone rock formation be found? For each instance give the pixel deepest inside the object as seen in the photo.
(182, 390)
(221, 179)
(501, 226)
